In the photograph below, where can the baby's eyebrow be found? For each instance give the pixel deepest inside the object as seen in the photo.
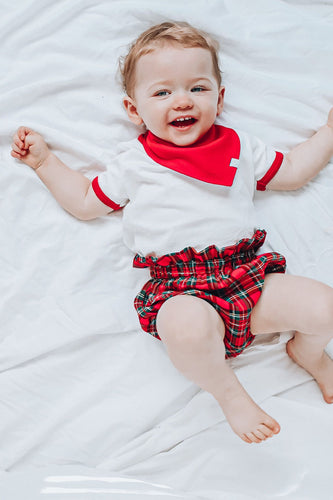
(160, 84)
(169, 83)
(202, 79)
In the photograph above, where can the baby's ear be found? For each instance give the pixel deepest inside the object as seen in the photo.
(132, 111)
(220, 101)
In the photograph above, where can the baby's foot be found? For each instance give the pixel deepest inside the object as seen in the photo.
(247, 419)
(320, 368)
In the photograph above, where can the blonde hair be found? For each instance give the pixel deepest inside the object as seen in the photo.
(180, 33)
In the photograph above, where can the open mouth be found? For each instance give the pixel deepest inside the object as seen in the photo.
(183, 122)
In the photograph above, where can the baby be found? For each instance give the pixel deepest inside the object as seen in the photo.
(186, 189)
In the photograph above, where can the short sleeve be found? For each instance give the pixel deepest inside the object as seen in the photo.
(109, 186)
(266, 161)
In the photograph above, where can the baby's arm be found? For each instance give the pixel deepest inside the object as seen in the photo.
(306, 160)
(70, 188)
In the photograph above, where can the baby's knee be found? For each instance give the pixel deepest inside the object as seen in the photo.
(188, 320)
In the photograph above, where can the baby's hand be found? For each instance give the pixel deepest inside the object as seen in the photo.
(29, 147)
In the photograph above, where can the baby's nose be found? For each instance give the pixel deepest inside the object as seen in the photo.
(183, 100)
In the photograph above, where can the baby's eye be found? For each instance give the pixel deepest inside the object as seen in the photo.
(198, 89)
(161, 93)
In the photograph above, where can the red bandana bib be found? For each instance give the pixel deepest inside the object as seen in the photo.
(212, 159)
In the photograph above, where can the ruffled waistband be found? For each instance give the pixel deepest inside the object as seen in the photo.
(189, 261)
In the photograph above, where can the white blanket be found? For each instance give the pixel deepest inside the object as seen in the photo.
(82, 389)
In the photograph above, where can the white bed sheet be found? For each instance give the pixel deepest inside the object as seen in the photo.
(82, 390)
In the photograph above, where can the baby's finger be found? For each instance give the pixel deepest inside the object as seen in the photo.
(23, 132)
(18, 142)
(16, 155)
(18, 149)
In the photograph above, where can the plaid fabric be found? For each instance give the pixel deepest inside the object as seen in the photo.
(230, 279)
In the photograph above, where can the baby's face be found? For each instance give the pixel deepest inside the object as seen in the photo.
(176, 94)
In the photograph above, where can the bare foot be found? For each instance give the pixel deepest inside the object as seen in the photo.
(320, 368)
(247, 419)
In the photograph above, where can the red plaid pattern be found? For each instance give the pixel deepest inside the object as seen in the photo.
(230, 279)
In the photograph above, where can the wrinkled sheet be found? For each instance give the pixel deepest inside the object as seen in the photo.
(83, 392)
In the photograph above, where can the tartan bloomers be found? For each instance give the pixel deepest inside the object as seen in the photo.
(230, 279)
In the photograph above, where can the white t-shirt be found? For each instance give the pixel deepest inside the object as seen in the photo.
(170, 206)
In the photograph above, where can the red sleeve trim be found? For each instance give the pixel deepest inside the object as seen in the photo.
(102, 197)
(262, 183)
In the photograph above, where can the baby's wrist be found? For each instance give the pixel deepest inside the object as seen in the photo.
(43, 162)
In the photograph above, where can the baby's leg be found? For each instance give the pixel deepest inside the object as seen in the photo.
(193, 333)
(305, 306)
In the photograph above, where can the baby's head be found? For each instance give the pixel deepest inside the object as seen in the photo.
(157, 36)
(172, 81)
